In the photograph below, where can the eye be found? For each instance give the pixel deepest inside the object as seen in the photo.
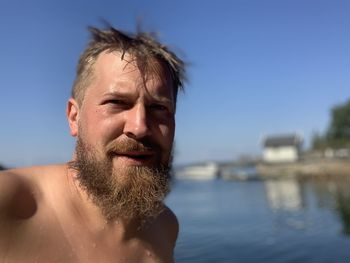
(116, 102)
(158, 107)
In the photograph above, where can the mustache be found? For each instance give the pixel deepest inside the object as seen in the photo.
(129, 144)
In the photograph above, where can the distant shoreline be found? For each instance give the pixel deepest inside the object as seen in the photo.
(314, 168)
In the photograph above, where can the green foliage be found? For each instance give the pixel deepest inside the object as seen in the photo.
(319, 142)
(338, 133)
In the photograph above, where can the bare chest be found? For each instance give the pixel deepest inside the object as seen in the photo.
(49, 238)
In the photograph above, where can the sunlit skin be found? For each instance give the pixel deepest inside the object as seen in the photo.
(44, 214)
(118, 104)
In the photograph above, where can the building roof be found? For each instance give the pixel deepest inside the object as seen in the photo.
(282, 140)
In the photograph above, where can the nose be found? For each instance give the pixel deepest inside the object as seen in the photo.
(136, 123)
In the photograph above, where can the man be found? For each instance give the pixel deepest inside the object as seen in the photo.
(106, 205)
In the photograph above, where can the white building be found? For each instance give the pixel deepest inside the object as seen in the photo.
(282, 149)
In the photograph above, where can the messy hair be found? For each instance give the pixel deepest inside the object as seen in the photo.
(144, 49)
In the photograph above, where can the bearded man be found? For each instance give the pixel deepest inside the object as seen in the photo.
(106, 205)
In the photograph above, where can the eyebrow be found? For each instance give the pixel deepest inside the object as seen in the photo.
(157, 98)
(117, 93)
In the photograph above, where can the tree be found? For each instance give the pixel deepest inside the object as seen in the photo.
(319, 142)
(338, 134)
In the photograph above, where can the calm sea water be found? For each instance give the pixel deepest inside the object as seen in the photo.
(262, 221)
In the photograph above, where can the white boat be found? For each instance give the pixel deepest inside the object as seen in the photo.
(205, 171)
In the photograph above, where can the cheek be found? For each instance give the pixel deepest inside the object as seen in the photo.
(100, 129)
(167, 134)
(110, 129)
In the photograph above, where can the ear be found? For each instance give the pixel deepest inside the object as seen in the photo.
(73, 116)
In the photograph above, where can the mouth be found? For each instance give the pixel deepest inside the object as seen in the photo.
(139, 158)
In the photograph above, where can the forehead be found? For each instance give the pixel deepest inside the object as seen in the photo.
(112, 71)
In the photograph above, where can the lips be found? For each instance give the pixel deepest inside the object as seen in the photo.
(136, 157)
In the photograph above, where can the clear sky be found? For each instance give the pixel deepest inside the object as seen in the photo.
(256, 68)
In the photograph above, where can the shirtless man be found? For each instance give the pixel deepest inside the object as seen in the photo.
(106, 205)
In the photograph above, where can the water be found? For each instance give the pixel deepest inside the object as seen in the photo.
(262, 221)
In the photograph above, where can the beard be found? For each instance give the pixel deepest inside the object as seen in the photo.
(128, 192)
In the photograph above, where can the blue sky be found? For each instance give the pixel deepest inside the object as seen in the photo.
(257, 67)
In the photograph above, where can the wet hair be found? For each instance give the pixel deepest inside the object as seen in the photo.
(144, 49)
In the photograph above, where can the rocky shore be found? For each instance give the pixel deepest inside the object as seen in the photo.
(312, 168)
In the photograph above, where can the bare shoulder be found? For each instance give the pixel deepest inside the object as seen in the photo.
(20, 191)
(169, 217)
(162, 235)
(169, 224)
(16, 195)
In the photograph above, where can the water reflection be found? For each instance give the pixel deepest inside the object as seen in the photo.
(288, 195)
(263, 221)
(339, 198)
(284, 194)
